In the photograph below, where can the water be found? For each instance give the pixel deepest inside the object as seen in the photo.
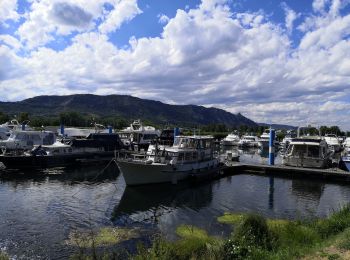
(39, 211)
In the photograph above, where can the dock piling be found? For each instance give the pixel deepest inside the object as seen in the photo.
(272, 147)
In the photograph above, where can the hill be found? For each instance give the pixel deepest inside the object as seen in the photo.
(127, 107)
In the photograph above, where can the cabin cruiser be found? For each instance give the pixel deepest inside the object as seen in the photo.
(288, 137)
(96, 146)
(230, 140)
(333, 142)
(189, 156)
(4, 132)
(7, 128)
(76, 132)
(137, 136)
(248, 141)
(25, 140)
(307, 151)
(264, 140)
(346, 144)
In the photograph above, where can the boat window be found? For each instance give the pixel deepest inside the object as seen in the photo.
(181, 156)
(36, 138)
(188, 156)
(208, 144)
(149, 136)
(299, 149)
(20, 136)
(194, 155)
(313, 151)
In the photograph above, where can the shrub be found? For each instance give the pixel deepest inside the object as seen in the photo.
(253, 231)
(3, 256)
(335, 224)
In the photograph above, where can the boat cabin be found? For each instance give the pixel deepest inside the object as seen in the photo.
(24, 140)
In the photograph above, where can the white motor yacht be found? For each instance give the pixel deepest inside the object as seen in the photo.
(307, 151)
(333, 142)
(248, 141)
(288, 137)
(25, 140)
(346, 144)
(230, 140)
(79, 132)
(7, 128)
(189, 155)
(264, 140)
(138, 136)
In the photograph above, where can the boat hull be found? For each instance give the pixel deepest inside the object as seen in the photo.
(305, 162)
(47, 161)
(138, 173)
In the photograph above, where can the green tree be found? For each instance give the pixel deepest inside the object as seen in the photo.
(23, 116)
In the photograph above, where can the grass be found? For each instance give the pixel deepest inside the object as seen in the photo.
(3, 256)
(253, 237)
(104, 237)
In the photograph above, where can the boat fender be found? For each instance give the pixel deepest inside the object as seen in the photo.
(149, 162)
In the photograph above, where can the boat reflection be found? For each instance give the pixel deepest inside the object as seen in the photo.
(69, 175)
(153, 201)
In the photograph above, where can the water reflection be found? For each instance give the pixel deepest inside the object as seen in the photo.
(39, 210)
(308, 195)
(153, 201)
(68, 175)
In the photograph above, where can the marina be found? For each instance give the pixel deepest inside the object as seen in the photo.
(203, 181)
(37, 226)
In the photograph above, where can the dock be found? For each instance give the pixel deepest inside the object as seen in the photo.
(333, 174)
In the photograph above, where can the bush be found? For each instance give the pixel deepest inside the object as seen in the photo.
(3, 256)
(253, 231)
(335, 224)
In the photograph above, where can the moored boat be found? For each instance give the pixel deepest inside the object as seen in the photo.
(231, 139)
(189, 155)
(137, 136)
(248, 141)
(25, 140)
(95, 146)
(307, 151)
(332, 142)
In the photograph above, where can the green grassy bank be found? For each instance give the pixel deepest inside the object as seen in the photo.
(252, 237)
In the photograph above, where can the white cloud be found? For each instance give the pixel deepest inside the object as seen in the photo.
(49, 18)
(10, 41)
(163, 19)
(124, 10)
(8, 11)
(319, 5)
(291, 16)
(208, 55)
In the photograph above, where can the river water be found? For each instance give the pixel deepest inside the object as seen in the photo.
(38, 211)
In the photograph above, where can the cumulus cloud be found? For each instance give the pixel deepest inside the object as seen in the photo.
(291, 16)
(70, 14)
(124, 10)
(208, 55)
(47, 19)
(163, 19)
(8, 11)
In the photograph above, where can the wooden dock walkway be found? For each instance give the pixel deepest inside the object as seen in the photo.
(333, 174)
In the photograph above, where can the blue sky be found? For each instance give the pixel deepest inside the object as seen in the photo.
(273, 61)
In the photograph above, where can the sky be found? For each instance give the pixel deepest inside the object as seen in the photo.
(282, 62)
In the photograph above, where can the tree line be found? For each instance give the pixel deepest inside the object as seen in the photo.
(76, 119)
